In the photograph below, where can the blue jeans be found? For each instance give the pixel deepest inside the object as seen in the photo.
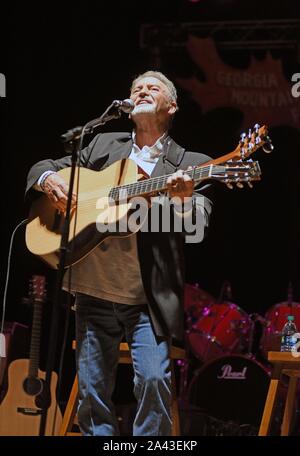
(100, 327)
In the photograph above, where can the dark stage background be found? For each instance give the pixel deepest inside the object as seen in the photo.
(64, 65)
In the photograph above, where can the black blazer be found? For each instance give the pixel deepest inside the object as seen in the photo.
(160, 254)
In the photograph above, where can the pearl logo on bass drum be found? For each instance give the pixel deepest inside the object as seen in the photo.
(229, 374)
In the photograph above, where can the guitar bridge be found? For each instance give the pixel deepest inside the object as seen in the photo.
(29, 411)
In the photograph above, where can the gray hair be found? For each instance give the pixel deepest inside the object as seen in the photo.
(162, 78)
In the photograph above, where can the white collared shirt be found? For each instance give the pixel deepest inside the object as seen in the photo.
(148, 156)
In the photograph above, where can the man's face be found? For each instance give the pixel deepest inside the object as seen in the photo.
(151, 96)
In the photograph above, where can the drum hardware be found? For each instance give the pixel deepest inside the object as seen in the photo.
(225, 292)
(255, 320)
(196, 423)
(239, 325)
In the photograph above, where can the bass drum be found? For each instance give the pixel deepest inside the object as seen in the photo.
(230, 388)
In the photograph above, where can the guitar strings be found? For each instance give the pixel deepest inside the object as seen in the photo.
(88, 199)
(141, 187)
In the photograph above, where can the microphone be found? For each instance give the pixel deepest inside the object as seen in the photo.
(71, 134)
(126, 105)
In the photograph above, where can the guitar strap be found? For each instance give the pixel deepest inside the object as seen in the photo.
(142, 173)
(173, 158)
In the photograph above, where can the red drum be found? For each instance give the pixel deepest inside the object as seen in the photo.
(231, 388)
(196, 302)
(275, 318)
(222, 328)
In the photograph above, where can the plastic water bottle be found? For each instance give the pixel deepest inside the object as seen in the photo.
(287, 335)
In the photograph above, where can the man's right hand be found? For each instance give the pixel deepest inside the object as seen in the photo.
(57, 189)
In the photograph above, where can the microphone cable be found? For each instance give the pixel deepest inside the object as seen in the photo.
(2, 340)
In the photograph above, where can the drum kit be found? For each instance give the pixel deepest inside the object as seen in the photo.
(229, 382)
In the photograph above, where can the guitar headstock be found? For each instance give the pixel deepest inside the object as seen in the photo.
(38, 288)
(236, 172)
(249, 143)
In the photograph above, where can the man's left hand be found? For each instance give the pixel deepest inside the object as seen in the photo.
(180, 184)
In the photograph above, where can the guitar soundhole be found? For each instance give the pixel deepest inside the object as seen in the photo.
(32, 386)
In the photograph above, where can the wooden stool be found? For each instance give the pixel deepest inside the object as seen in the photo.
(125, 358)
(284, 363)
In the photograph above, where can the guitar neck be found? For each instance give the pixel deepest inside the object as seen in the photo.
(155, 185)
(34, 356)
(248, 144)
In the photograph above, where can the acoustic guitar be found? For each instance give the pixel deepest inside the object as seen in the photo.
(20, 410)
(101, 198)
(104, 201)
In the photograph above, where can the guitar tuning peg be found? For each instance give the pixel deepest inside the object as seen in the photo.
(242, 136)
(268, 146)
(230, 186)
(240, 185)
(256, 127)
(249, 133)
(249, 184)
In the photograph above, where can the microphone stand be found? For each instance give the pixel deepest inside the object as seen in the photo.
(73, 140)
